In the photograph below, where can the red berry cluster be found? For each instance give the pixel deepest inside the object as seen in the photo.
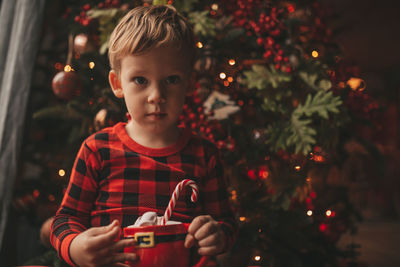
(83, 17)
(245, 12)
(194, 117)
(267, 27)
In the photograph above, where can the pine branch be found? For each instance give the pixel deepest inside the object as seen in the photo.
(311, 80)
(185, 5)
(322, 103)
(302, 135)
(107, 18)
(204, 26)
(261, 77)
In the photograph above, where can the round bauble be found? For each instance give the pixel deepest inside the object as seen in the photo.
(66, 85)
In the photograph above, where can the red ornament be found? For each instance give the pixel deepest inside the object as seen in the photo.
(251, 174)
(66, 85)
(323, 227)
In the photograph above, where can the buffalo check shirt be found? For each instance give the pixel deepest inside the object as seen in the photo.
(116, 178)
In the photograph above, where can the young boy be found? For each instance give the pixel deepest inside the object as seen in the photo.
(126, 170)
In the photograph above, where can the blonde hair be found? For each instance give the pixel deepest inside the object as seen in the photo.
(147, 27)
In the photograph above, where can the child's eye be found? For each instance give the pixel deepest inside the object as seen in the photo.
(140, 80)
(174, 79)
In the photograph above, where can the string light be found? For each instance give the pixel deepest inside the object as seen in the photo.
(314, 54)
(226, 83)
(199, 45)
(214, 7)
(242, 219)
(234, 195)
(230, 79)
(308, 179)
(328, 213)
(67, 68)
(51, 198)
(222, 75)
(309, 212)
(91, 64)
(356, 84)
(232, 62)
(61, 172)
(257, 258)
(297, 167)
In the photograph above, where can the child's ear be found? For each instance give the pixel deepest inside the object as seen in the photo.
(115, 83)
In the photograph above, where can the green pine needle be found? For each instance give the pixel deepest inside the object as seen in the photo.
(203, 25)
(322, 103)
(261, 77)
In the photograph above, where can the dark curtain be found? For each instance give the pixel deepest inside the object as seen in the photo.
(20, 24)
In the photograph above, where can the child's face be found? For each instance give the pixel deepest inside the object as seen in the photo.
(153, 85)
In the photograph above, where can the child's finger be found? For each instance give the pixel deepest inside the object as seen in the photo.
(208, 251)
(95, 231)
(189, 241)
(121, 244)
(206, 230)
(209, 240)
(105, 239)
(198, 222)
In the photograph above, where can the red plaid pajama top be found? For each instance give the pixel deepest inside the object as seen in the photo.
(116, 178)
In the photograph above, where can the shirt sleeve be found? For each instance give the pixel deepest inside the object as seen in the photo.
(73, 216)
(216, 199)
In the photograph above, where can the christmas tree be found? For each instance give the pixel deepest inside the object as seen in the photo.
(273, 93)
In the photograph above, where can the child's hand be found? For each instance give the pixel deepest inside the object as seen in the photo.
(97, 247)
(208, 234)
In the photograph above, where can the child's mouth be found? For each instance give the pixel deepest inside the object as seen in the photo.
(157, 115)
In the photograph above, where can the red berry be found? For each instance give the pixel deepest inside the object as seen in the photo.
(270, 41)
(278, 58)
(267, 54)
(260, 41)
(85, 22)
(86, 7)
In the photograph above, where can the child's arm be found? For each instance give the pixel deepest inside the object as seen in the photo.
(97, 247)
(70, 236)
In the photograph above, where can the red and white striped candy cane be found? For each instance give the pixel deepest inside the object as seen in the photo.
(178, 189)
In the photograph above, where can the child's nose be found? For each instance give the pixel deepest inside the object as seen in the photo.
(156, 95)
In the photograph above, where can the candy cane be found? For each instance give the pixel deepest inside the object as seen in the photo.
(175, 196)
